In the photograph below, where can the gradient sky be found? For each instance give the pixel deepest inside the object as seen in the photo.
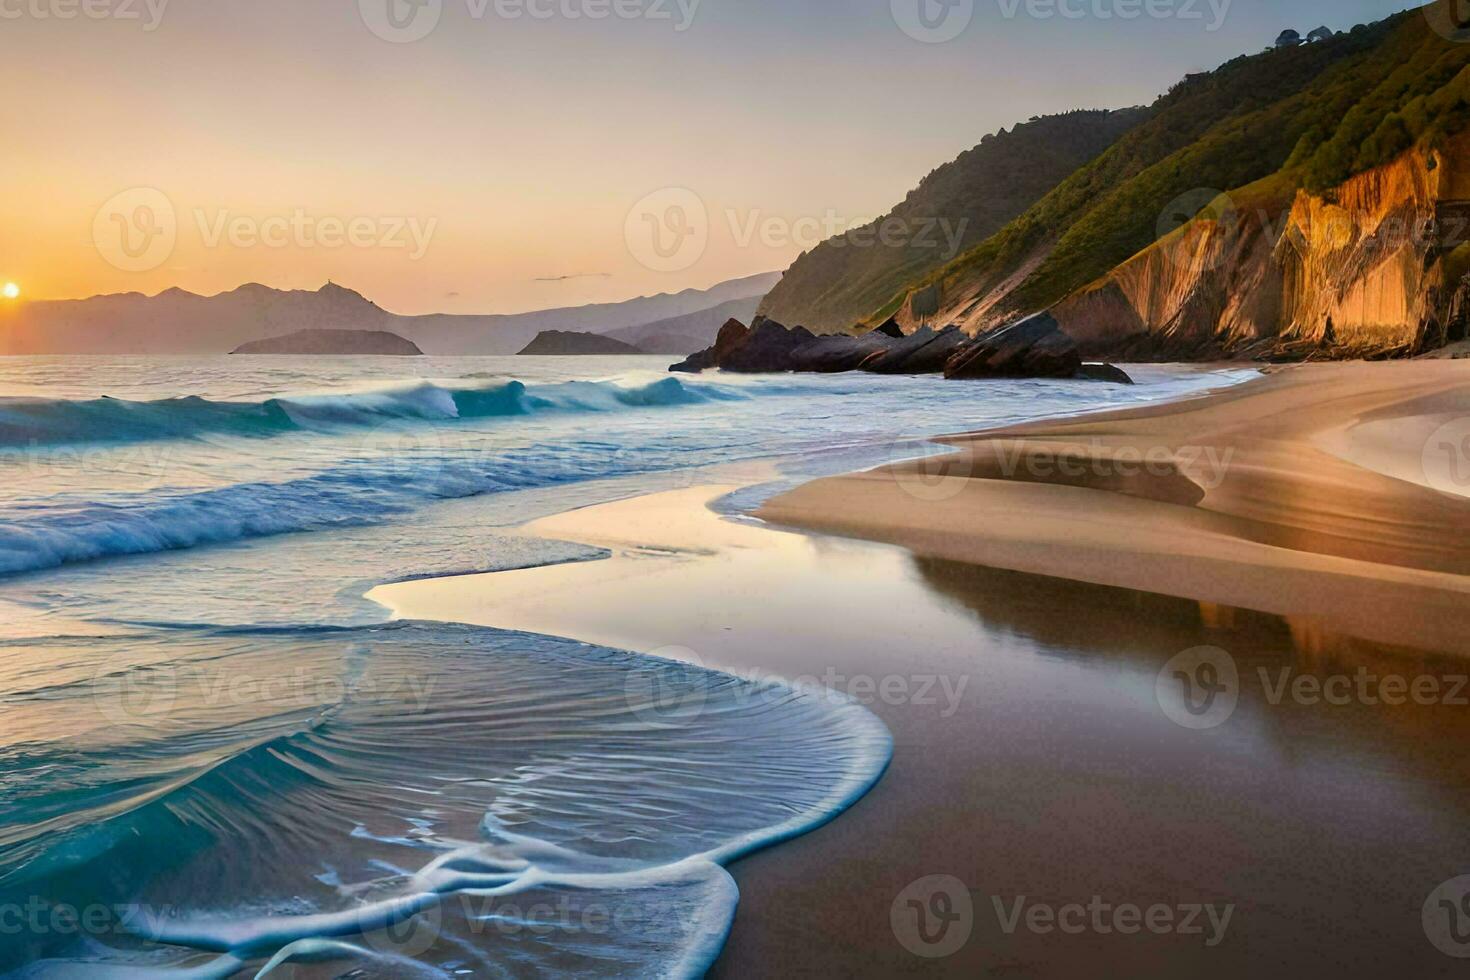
(523, 144)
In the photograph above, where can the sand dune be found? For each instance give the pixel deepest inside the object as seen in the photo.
(1333, 494)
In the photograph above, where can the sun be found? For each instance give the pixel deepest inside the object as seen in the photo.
(11, 290)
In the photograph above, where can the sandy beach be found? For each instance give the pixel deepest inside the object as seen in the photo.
(1331, 494)
(1040, 757)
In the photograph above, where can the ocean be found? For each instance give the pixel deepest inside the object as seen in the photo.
(220, 759)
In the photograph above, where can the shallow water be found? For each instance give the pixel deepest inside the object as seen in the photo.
(219, 758)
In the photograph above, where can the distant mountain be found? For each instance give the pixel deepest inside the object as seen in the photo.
(689, 333)
(842, 281)
(338, 342)
(506, 334)
(561, 343)
(179, 322)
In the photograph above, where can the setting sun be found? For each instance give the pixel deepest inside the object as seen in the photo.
(11, 290)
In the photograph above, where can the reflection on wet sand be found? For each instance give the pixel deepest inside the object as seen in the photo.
(1070, 766)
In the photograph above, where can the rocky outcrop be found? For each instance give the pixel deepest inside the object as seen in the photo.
(1104, 372)
(890, 328)
(924, 351)
(334, 342)
(1035, 347)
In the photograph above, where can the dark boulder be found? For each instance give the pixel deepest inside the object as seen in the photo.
(838, 352)
(1104, 372)
(696, 362)
(766, 349)
(890, 328)
(731, 335)
(1035, 347)
(922, 352)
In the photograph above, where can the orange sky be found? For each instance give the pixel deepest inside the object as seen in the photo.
(516, 147)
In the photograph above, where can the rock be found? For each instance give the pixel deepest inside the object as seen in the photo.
(1104, 372)
(767, 348)
(731, 335)
(1035, 347)
(838, 352)
(890, 328)
(922, 352)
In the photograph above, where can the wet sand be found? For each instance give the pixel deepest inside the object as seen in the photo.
(1337, 495)
(1037, 758)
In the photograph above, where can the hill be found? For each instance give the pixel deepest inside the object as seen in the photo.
(1200, 232)
(957, 206)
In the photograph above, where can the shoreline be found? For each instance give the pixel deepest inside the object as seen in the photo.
(1003, 679)
(1284, 495)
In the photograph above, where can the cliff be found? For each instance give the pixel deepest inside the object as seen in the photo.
(335, 342)
(1370, 268)
(1305, 202)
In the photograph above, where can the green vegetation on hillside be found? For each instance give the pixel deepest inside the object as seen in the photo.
(840, 281)
(1304, 116)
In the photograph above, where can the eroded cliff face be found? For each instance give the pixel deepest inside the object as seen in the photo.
(1367, 269)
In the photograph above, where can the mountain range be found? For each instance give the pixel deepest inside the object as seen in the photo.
(180, 322)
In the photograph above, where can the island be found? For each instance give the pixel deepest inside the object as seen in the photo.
(566, 343)
(340, 342)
